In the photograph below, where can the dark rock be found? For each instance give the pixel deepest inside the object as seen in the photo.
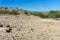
(9, 30)
(32, 29)
(1, 25)
(8, 26)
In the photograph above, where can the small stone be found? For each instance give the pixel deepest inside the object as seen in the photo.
(1, 25)
(8, 26)
(9, 30)
(32, 29)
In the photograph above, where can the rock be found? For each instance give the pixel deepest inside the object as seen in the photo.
(8, 26)
(1, 25)
(8, 30)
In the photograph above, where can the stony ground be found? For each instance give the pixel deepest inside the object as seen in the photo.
(28, 28)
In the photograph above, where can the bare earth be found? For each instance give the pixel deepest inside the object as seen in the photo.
(29, 28)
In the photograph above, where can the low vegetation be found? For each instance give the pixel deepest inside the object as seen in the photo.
(14, 12)
(40, 15)
(54, 14)
(26, 12)
(50, 14)
(7, 11)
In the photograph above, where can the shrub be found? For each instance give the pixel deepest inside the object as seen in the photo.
(54, 14)
(9, 12)
(40, 15)
(51, 16)
(25, 12)
(2, 11)
(14, 12)
(53, 11)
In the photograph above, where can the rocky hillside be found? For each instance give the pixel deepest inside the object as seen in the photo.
(22, 27)
(26, 25)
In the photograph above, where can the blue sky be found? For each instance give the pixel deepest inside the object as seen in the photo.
(32, 5)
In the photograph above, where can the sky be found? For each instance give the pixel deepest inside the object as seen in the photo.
(32, 5)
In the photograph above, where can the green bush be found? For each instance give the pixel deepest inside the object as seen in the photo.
(14, 12)
(26, 12)
(54, 14)
(4, 11)
(40, 15)
(8, 12)
(51, 16)
(53, 11)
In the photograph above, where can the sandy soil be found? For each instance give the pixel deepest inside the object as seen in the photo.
(29, 28)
